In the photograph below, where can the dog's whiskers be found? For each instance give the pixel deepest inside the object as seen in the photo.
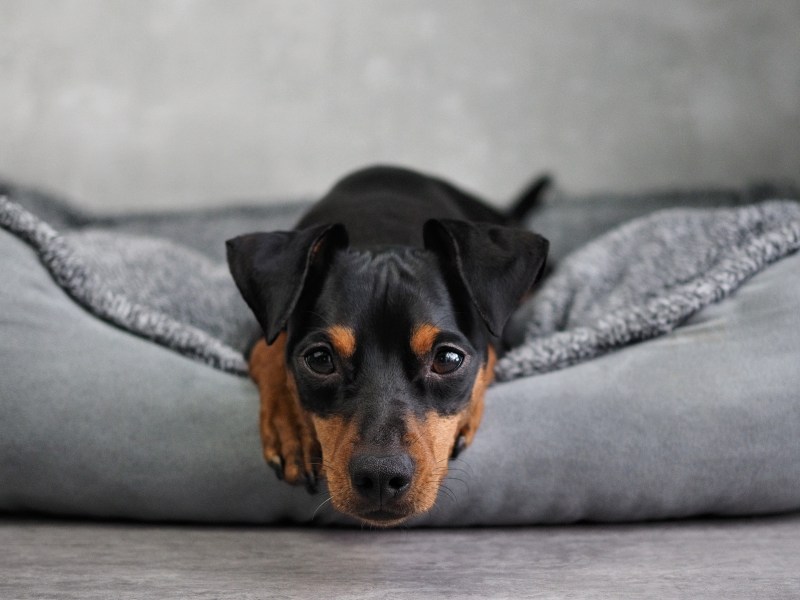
(321, 504)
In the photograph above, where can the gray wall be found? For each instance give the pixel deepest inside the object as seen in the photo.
(133, 104)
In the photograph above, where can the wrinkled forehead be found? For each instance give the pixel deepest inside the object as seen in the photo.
(393, 290)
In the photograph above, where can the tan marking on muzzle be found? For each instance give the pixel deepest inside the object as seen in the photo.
(337, 437)
(430, 443)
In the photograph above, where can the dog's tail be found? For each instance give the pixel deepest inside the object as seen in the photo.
(530, 198)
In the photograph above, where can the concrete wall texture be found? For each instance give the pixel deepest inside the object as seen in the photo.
(175, 103)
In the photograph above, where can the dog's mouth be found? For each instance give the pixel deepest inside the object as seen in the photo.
(380, 511)
(383, 517)
(384, 513)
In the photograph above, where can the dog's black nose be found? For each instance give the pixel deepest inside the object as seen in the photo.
(381, 478)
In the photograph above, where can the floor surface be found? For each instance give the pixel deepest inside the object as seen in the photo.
(738, 558)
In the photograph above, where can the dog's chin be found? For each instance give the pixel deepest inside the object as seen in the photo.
(383, 518)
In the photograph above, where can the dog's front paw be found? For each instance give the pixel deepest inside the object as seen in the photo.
(290, 446)
(287, 435)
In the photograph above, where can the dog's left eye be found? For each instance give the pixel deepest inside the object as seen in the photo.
(446, 361)
(320, 361)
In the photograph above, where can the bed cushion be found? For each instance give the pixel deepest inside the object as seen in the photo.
(704, 420)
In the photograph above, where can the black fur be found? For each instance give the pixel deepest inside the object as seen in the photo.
(384, 251)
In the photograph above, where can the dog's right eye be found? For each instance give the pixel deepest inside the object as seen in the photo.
(446, 361)
(320, 361)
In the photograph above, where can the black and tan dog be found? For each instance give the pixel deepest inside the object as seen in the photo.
(381, 313)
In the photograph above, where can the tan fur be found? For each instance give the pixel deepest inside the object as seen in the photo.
(471, 417)
(338, 438)
(430, 442)
(422, 339)
(343, 340)
(287, 434)
(290, 435)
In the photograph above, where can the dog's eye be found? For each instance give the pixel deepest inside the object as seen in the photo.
(320, 361)
(446, 361)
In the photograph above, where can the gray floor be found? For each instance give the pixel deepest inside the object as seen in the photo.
(742, 558)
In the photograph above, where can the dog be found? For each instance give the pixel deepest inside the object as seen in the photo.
(382, 314)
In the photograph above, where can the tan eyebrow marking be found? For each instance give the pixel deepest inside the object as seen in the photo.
(423, 338)
(343, 340)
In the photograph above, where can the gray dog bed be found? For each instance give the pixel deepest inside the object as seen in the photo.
(100, 421)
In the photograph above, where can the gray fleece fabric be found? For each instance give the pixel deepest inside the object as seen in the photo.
(643, 279)
(638, 281)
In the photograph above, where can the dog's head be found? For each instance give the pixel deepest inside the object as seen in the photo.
(390, 351)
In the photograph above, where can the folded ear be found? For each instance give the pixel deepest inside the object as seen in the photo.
(271, 269)
(497, 265)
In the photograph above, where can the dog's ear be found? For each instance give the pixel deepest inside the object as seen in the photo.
(271, 269)
(497, 265)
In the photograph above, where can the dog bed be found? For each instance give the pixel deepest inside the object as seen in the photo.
(122, 395)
